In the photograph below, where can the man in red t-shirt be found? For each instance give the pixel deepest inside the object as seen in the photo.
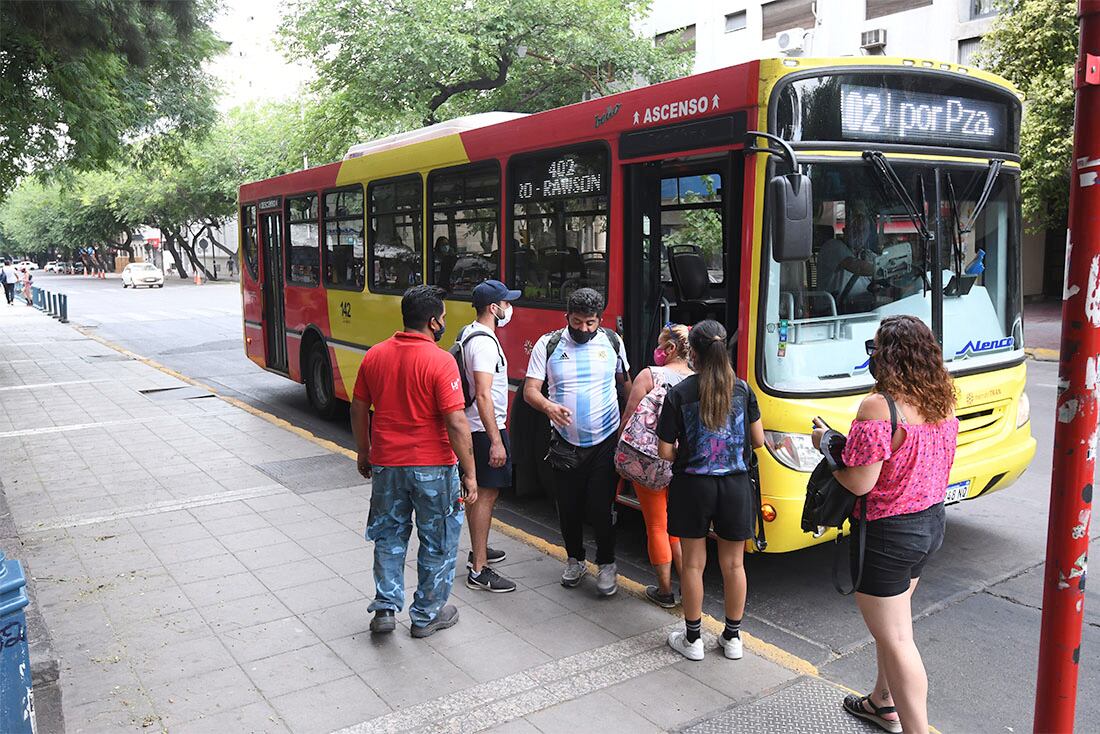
(408, 450)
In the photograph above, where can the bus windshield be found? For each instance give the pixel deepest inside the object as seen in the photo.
(870, 261)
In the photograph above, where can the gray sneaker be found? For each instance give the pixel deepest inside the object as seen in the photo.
(447, 617)
(607, 583)
(574, 571)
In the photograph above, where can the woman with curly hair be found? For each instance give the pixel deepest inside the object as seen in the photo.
(904, 477)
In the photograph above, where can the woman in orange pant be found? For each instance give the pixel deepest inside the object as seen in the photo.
(670, 364)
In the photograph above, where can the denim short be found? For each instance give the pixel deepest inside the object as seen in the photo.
(897, 549)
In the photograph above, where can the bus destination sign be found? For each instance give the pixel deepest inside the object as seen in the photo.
(900, 116)
(563, 176)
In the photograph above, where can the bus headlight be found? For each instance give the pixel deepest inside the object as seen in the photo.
(794, 450)
(1023, 410)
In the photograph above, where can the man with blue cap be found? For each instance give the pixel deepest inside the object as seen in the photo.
(486, 370)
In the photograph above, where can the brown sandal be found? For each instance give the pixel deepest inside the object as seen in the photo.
(853, 704)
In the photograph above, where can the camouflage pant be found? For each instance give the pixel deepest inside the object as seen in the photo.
(433, 493)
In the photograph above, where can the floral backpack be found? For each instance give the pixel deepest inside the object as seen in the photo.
(636, 456)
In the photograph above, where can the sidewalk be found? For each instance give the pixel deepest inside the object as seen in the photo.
(202, 568)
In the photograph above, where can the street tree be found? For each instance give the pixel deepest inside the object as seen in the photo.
(1033, 44)
(80, 80)
(389, 65)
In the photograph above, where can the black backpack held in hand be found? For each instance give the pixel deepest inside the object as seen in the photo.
(829, 504)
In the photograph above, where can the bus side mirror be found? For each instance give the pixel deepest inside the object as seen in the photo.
(791, 199)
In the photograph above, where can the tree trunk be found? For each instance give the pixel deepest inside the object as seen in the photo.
(169, 244)
(196, 263)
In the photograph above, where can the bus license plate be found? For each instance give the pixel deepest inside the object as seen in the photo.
(957, 492)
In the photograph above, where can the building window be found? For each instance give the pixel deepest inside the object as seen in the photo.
(736, 21)
(982, 8)
(396, 224)
(682, 40)
(879, 8)
(968, 48)
(303, 266)
(343, 253)
(559, 224)
(249, 240)
(781, 15)
(465, 211)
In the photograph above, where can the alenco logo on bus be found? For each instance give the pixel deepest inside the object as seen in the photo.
(676, 110)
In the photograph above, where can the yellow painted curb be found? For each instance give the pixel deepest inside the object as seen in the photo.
(1042, 354)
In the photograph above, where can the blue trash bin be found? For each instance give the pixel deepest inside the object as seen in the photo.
(16, 692)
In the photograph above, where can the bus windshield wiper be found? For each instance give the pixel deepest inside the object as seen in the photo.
(987, 188)
(890, 179)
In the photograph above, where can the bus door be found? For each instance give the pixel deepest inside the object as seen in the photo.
(273, 287)
(645, 309)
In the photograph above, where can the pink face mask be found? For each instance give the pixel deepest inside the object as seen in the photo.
(660, 356)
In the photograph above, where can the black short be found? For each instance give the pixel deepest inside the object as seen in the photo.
(897, 549)
(695, 501)
(488, 476)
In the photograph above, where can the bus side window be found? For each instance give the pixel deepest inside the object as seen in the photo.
(395, 256)
(465, 212)
(343, 250)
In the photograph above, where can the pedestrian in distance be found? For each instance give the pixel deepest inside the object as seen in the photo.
(485, 376)
(904, 477)
(585, 370)
(27, 280)
(10, 278)
(637, 455)
(408, 450)
(709, 425)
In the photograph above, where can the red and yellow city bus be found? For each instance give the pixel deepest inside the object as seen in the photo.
(659, 198)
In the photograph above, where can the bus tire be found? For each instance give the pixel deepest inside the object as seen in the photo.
(318, 378)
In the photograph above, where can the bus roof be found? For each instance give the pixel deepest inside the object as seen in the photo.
(431, 132)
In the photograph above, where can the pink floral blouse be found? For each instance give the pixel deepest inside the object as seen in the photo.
(914, 477)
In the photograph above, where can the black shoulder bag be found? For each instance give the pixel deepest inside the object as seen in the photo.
(752, 467)
(829, 504)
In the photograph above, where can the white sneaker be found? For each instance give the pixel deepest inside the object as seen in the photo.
(732, 648)
(607, 582)
(574, 571)
(677, 640)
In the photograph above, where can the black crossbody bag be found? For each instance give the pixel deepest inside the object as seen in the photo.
(829, 504)
(752, 466)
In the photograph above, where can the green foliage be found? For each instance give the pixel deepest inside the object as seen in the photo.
(1033, 44)
(81, 79)
(388, 65)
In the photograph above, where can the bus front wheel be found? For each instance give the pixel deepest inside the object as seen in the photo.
(322, 397)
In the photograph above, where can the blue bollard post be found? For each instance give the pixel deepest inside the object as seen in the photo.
(16, 692)
(64, 309)
(56, 305)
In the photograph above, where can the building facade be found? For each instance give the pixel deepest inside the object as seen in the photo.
(726, 32)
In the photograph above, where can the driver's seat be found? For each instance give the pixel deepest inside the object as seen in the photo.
(691, 283)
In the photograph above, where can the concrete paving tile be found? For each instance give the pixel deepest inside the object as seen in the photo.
(202, 569)
(155, 603)
(255, 718)
(107, 566)
(495, 656)
(519, 726)
(236, 524)
(257, 558)
(190, 550)
(318, 595)
(668, 697)
(342, 620)
(205, 694)
(365, 652)
(336, 542)
(275, 501)
(296, 669)
(248, 644)
(131, 712)
(162, 520)
(412, 680)
(329, 707)
(518, 607)
(564, 635)
(85, 683)
(283, 516)
(351, 561)
(180, 660)
(472, 625)
(364, 581)
(220, 510)
(313, 527)
(226, 588)
(184, 533)
(594, 712)
(296, 573)
(245, 612)
(739, 680)
(259, 538)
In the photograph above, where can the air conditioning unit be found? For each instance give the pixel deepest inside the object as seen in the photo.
(873, 40)
(791, 40)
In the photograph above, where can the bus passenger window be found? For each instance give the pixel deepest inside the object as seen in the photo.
(343, 252)
(303, 267)
(394, 239)
(465, 214)
(559, 224)
(691, 214)
(249, 240)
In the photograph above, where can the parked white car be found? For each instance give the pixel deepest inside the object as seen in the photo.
(26, 264)
(146, 274)
(51, 267)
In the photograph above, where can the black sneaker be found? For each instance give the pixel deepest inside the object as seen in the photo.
(492, 555)
(447, 617)
(489, 580)
(383, 621)
(668, 601)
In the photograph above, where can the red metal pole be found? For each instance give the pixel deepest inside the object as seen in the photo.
(1075, 430)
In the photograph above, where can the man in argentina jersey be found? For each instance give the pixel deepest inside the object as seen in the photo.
(583, 375)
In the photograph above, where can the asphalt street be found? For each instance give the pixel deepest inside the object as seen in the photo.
(977, 607)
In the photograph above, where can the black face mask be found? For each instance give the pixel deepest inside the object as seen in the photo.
(870, 366)
(581, 337)
(437, 334)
